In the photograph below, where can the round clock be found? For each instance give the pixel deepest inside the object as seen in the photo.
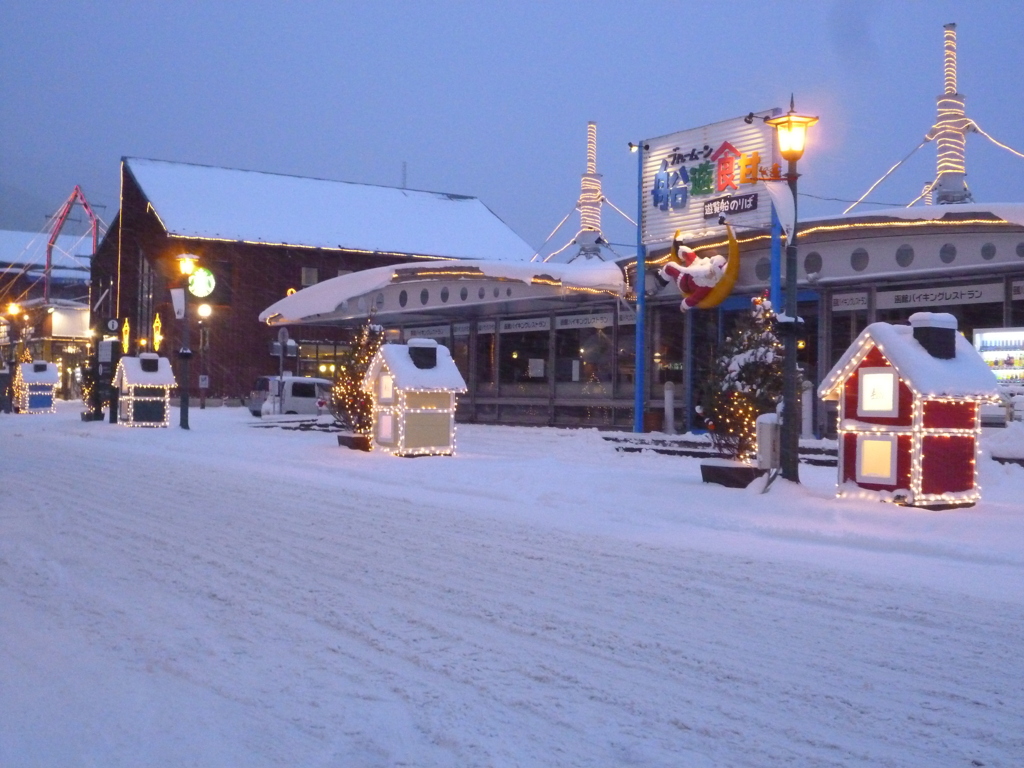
(201, 283)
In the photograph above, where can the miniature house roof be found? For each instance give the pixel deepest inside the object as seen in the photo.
(249, 206)
(47, 374)
(966, 374)
(130, 372)
(444, 375)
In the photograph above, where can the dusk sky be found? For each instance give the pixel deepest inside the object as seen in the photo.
(489, 99)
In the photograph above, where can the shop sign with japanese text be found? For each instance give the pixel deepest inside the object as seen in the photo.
(526, 325)
(430, 332)
(940, 296)
(691, 178)
(848, 302)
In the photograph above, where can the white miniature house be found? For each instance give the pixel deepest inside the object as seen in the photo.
(414, 388)
(144, 390)
(35, 387)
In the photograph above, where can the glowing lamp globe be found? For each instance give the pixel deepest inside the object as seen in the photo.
(187, 263)
(792, 132)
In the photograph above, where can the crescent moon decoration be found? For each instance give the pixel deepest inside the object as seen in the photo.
(725, 285)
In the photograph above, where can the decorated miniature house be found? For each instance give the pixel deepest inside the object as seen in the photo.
(414, 388)
(35, 387)
(144, 385)
(909, 401)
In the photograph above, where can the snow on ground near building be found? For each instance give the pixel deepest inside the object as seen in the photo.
(262, 597)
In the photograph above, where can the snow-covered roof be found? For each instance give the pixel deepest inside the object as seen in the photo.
(313, 303)
(129, 372)
(1012, 213)
(444, 375)
(249, 206)
(964, 375)
(29, 374)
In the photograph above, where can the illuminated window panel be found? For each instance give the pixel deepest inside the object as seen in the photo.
(878, 393)
(387, 388)
(876, 459)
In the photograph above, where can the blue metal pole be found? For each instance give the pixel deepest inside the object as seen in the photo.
(640, 367)
(775, 287)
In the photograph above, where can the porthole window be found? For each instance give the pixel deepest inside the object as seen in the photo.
(508, 291)
(905, 255)
(947, 253)
(988, 251)
(812, 263)
(444, 294)
(481, 292)
(495, 291)
(403, 299)
(424, 296)
(859, 259)
(763, 268)
(1020, 250)
(378, 301)
(464, 293)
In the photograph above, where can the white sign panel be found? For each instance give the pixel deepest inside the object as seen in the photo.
(627, 316)
(692, 177)
(486, 326)
(430, 332)
(460, 329)
(1017, 290)
(524, 326)
(600, 320)
(849, 302)
(941, 296)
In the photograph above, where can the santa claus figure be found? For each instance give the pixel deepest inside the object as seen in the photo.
(695, 275)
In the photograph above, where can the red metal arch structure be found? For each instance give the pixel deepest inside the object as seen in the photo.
(77, 196)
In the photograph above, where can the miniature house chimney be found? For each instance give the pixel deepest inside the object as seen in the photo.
(936, 332)
(423, 352)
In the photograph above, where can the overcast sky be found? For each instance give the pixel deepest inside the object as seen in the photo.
(489, 99)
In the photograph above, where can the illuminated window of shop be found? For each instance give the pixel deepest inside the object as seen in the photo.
(859, 259)
(947, 253)
(387, 388)
(905, 255)
(384, 428)
(876, 459)
(988, 251)
(878, 394)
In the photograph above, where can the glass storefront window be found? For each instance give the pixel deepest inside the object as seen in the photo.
(625, 367)
(667, 346)
(486, 363)
(584, 362)
(523, 367)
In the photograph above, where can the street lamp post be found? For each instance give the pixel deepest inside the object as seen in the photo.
(204, 311)
(187, 265)
(792, 133)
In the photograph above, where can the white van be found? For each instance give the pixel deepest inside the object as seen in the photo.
(301, 395)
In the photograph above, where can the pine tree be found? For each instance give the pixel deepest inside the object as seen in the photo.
(744, 381)
(349, 404)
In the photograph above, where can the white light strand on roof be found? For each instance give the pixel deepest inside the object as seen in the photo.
(885, 176)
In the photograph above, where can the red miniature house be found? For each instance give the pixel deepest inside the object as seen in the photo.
(909, 420)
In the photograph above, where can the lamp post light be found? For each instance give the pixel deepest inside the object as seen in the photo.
(792, 132)
(204, 311)
(640, 355)
(187, 265)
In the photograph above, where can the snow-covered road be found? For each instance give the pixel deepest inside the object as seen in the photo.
(240, 596)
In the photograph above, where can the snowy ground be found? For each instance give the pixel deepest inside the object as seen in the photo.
(234, 596)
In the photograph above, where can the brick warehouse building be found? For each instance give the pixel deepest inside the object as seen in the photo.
(261, 235)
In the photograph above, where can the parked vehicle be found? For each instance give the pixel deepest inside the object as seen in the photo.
(300, 394)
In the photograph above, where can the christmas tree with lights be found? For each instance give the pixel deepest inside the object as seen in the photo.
(744, 381)
(350, 405)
